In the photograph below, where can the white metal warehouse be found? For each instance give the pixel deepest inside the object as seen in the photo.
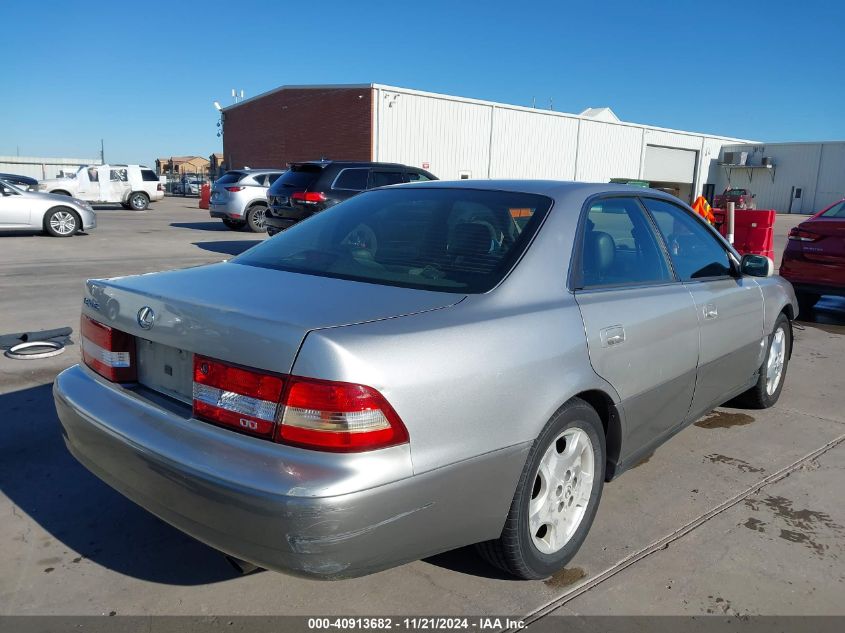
(468, 138)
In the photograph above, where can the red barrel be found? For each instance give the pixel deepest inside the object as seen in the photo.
(205, 195)
(754, 230)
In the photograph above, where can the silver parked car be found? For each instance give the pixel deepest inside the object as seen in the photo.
(240, 198)
(421, 367)
(56, 215)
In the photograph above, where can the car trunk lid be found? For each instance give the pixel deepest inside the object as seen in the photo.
(245, 315)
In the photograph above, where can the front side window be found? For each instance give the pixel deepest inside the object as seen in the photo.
(450, 240)
(695, 252)
(619, 246)
(352, 179)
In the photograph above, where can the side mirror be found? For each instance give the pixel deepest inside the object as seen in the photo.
(757, 266)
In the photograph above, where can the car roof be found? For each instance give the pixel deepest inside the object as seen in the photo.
(267, 170)
(551, 188)
(18, 178)
(355, 163)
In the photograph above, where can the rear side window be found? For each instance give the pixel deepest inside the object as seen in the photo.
(298, 177)
(450, 240)
(354, 179)
(619, 246)
(383, 178)
(231, 177)
(695, 252)
(148, 175)
(416, 176)
(260, 179)
(271, 178)
(836, 211)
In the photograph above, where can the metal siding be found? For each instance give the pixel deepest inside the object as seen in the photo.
(533, 145)
(796, 164)
(831, 178)
(608, 151)
(488, 139)
(451, 136)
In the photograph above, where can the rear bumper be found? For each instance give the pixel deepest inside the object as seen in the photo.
(225, 210)
(282, 216)
(818, 289)
(303, 512)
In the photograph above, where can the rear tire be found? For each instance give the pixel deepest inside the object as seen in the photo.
(255, 218)
(806, 301)
(61, 222)
(556, 498)
(138, 201)
(766, 391)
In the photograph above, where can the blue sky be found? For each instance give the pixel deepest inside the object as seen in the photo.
(143, 75)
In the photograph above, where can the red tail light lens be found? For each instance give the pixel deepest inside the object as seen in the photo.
(158, 187)
(236, 397)
(308, 197)
(803, 236)
(109, 352)
(234, 189)
(316, 414)
(338, 416)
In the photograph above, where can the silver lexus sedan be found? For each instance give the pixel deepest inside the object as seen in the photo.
(58, 216)
(422, 367)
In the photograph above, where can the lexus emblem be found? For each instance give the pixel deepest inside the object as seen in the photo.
(146, 317)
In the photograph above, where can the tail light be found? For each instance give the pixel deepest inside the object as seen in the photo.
(109, 352)
(236, 397)
(234, 189)
(316, 414)
(308, 197)
(801, 235)
(338, 416)
(158, 187)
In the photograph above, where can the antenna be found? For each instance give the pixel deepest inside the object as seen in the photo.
(533, 102)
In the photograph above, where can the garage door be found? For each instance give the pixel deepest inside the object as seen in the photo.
(667, 164)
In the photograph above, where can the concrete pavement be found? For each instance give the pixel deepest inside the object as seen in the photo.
(747, 503)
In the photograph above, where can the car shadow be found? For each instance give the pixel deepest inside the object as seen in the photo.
(828, 311)
(42, 480)
(465, 560)
(227, 247)
(217, 227)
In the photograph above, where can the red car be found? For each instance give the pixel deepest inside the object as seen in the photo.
(742, 198)
(814, 259)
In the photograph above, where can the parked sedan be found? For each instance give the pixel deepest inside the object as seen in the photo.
(814, 259)
(239, 198)
(420, 368)
(21, 182)
(57, 215)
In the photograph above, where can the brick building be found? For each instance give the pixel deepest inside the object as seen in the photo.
(298, 123)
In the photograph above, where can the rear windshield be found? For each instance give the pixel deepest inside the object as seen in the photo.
(230, 177)
(297, 177)
(450, 240)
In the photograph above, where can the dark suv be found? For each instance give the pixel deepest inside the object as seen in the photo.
(309, 187)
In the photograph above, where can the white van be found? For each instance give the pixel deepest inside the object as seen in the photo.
(133, 186)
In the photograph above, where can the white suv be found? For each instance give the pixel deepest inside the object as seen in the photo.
(133, 186)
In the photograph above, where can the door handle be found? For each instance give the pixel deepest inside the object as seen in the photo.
(710, 311)
(613, 335)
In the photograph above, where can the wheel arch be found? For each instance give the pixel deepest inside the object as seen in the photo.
(60, 192)
(612, 424)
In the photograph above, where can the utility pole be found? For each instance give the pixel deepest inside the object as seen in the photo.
(102, 153)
